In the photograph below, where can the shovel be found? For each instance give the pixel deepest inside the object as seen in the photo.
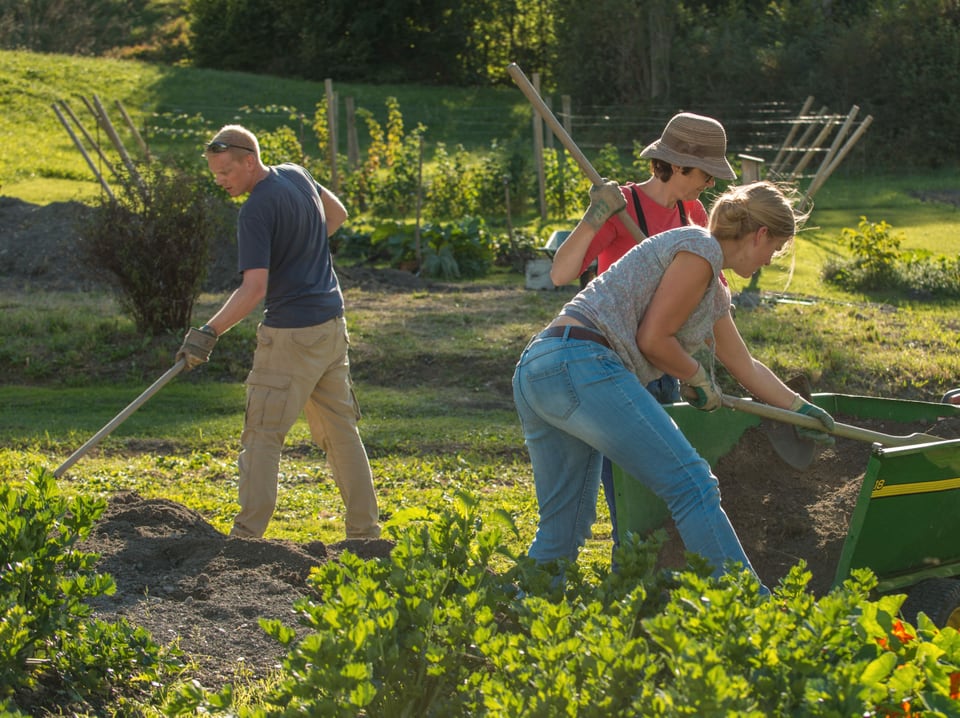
(560, 132)
(122, 416)
(804, 448)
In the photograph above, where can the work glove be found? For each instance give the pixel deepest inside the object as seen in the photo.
(197, 346)
(701, 391)
(605, 200)
(802, 406)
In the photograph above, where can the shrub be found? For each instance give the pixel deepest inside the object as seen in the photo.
(567, 189)
(450, 191)
(51, 653)
(153, 241)
(506, 166)
(878, 264)
(513, 250)
(279, 146)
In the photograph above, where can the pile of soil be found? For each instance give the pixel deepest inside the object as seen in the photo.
(182, 580)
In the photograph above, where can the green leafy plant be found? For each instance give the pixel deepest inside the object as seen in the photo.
(566, 187)
(448, 251)
(434, 631)
(450, 191)
(280, 145)
(50, 652)
(873, 245)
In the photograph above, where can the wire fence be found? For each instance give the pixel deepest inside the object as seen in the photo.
(790, 138)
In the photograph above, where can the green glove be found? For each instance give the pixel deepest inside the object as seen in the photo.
(197, 346)
(802, 406)
(605, 200)
(701, 392)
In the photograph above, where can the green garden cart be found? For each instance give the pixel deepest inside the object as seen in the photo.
(905, 524)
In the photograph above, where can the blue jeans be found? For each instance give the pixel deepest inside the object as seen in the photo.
(577, 403)
(666, 390)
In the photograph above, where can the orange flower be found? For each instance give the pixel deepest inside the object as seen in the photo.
(955, 685)
(901, 632)
(902, 712)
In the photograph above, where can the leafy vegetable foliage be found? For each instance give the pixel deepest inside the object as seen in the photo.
(51, 653)
(433, 631)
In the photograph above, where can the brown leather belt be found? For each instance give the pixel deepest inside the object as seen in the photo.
(574, 332)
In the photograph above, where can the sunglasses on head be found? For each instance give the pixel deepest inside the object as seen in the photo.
(218, 146)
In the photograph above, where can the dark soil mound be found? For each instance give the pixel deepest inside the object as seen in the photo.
(181, 579)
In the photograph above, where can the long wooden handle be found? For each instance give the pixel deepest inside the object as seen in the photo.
(527, 88)
(843, 430)
(122, 416)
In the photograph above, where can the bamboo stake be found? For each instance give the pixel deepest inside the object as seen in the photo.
(133, 128)
(353, 144)
(118, 143)
(801, 143)
(93, 143)
(83, 151)
(332, 130)
(822, 178)
(795, 127)
(416, 229)
(808, 156)
(844, 129)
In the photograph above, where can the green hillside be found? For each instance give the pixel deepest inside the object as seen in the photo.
(176, 108)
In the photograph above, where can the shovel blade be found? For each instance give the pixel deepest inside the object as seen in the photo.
(796, 451)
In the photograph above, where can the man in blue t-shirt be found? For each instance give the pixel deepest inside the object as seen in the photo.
(301, 361)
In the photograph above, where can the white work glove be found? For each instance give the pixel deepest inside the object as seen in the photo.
(197, 346)
(802, 406)
(605, 201)
(700, 391)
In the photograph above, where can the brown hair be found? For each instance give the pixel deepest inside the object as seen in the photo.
(663, 171)
(744, 209)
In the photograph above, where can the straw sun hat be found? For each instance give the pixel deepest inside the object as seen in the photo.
(691, 140)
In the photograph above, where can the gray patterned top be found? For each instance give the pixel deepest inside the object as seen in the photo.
(617, 299)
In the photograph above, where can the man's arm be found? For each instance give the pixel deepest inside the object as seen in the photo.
(244, 300)
(334, 210)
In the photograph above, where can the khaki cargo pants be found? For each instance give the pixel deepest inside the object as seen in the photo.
(304, 369)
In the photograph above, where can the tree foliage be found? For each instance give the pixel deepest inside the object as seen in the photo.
(137, 28)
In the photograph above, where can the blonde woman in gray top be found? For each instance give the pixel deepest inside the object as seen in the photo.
(579, 386)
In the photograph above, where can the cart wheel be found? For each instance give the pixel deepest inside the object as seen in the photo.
(951, 397)
(939, 598)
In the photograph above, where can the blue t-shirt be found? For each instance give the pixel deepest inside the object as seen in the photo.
(282, 228)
